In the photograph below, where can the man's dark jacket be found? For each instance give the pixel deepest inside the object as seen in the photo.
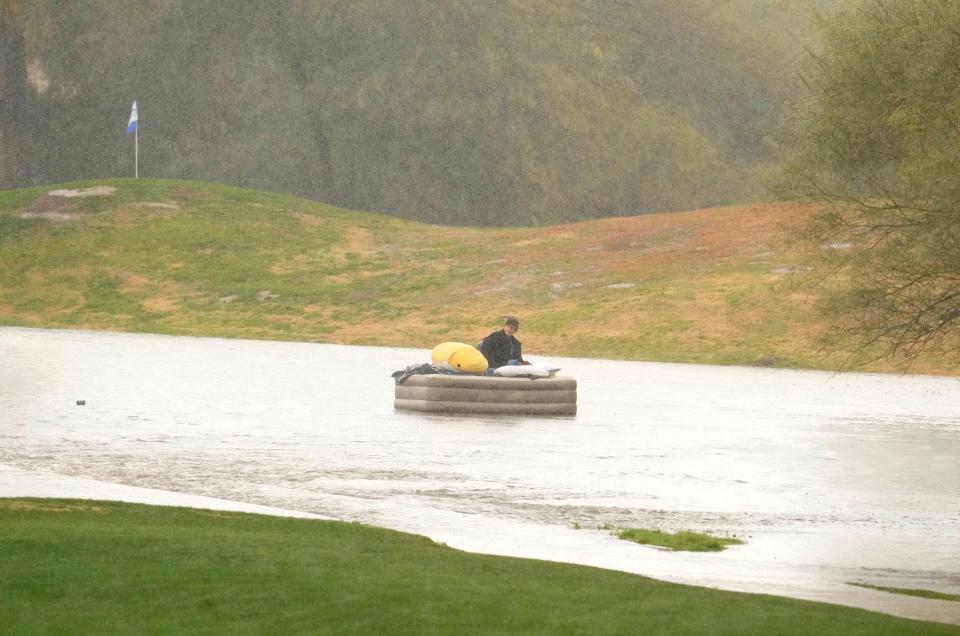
(499, 348)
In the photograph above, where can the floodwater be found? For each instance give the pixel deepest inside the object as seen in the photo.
(830, 478)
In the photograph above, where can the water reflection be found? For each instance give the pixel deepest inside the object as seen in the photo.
(831, 478)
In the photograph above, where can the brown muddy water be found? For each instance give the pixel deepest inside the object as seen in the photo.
(830, 478)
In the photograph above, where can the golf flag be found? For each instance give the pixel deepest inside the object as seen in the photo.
(132, 128)
(132, 124)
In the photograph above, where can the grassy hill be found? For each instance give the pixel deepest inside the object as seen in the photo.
(715, 286)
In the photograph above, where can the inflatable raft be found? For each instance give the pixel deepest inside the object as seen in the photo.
(438, 393)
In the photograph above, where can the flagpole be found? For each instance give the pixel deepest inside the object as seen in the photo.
(134, 127)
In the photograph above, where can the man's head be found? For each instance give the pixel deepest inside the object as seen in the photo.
(510, 325)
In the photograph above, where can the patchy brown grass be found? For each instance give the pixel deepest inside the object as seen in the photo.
(719, 286)
(161, 305)
(52, 506)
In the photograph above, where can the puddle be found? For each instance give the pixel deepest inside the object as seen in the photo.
(829, 478)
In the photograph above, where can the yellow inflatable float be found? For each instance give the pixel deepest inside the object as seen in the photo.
(456, 356)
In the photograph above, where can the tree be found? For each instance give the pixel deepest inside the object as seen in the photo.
(493, 113)
(880, 148)
(13, 89)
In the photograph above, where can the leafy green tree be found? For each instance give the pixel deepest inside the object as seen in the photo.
(13, 83)
(881, 149)
(13, 86)
(505, 112)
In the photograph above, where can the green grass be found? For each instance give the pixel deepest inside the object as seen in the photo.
(160, 255)
(685, 541)
(941, 596)
(85, 567)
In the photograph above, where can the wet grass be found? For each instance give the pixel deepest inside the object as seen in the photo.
(180, 257)
(684, 541)
(941, 596)
(83, 567)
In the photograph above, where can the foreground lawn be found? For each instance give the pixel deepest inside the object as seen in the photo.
(69, 566)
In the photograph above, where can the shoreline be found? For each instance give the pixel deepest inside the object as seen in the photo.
(16, 483)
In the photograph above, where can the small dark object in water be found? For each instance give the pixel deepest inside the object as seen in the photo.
(81, 402)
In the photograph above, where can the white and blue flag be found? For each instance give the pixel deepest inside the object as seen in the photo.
(132, 124)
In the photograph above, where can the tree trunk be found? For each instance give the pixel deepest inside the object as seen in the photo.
(13, 89)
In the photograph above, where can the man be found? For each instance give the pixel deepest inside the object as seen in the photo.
(500, 348)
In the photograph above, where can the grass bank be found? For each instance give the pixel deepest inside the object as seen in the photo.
(74, 566)
(940, 596)
(711, 286)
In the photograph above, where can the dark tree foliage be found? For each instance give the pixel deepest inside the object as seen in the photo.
(881, 147)
(505, 112)
(13, 84)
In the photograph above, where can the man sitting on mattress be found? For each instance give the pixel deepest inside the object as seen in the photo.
(501, 348)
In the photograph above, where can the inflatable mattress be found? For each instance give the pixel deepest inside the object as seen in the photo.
(455, 394)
